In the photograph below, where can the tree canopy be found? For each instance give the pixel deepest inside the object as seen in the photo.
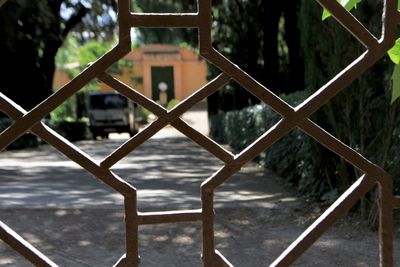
(33, 31)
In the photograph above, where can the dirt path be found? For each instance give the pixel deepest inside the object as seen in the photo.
(77, 221)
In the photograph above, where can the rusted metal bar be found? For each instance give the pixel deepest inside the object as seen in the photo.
(337, 84)
(331, 215)
(386, 227)
(223, 262)
(161, 122)
(67, 148)
(121, 261)
(23, 124)
(133, 95)
(123, 23)
(204, 141)
(78, 156)
(2, 2)
(160, 111)
(131, 232)
(23, 247)
(164, 20)
(351, 23)
(248, 82)
(292, 117)
(205, 21)
(207, 203)
(263, 142)
(162, 217)
(342, 150)
(210, 256)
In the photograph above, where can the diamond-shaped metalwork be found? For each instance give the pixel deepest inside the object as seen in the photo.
(291, 117)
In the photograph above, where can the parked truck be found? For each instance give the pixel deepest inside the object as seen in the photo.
(110, 112)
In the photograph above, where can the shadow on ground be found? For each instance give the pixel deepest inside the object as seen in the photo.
(78, 221)
(247, 237)
(167, 172)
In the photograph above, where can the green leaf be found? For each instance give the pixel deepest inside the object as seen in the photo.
(394, 52)
(325, 14)
(396, 83)
(347, 4)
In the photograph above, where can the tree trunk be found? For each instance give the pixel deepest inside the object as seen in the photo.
(362, 110)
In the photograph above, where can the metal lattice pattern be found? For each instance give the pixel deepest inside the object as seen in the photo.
(291, 117)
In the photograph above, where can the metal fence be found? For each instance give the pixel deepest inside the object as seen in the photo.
(291, 117)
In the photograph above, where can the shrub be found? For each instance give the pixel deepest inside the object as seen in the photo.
(71, 130)
(141, 115)
(172, 103)
(296, 157)
(216, 125)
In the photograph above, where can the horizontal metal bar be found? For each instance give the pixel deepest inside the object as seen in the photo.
(23, 247)
(169, 216)
(164, 20)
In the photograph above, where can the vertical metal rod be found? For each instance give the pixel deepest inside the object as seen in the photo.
(386, 231)
(208, 227)
(132, 232)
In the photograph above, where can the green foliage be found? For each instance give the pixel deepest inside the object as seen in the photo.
(394, 55)
(348, 4)
(71, 130)
(66, 111)
(172, 103)
(301, 161)
(291, 157)
(360, 116)
(141, 115)
(396, 83)
(90, 52)
(167, 35)
(394, 52)
(73, 58)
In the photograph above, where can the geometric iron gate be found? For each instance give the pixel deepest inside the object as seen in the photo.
(291, 117)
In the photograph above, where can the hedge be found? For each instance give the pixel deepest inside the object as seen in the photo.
(296, 157)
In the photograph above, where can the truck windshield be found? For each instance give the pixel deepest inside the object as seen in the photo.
(107, 102)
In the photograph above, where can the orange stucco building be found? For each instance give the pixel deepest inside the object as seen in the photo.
(179, 70)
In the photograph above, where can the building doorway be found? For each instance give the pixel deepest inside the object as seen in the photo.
(162, 77)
